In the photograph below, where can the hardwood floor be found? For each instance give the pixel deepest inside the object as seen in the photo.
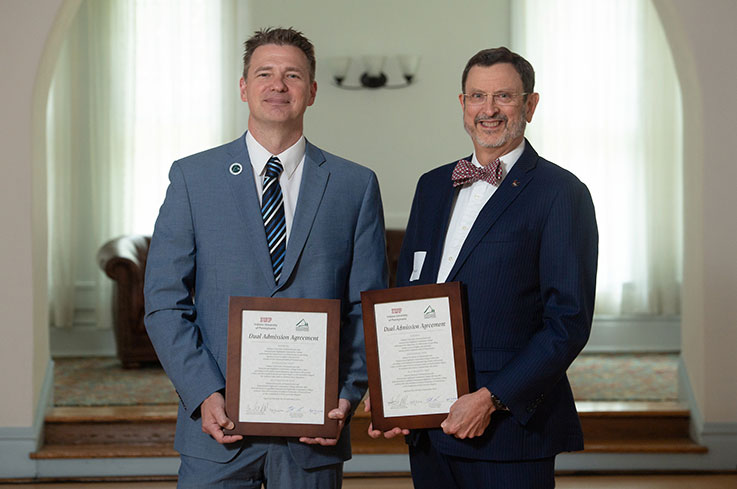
(702, 481)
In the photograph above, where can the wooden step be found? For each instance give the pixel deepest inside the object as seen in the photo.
(130, 425)
(105, 450)
(636, 427)
(148, 431)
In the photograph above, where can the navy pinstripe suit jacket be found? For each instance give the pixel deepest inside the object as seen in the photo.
(528, 267)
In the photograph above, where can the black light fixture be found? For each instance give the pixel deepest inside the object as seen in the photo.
(373, 75)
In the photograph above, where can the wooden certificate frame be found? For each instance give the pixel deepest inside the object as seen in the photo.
(238, 309)
(406, 296)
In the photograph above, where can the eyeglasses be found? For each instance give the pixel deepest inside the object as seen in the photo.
(498, 98)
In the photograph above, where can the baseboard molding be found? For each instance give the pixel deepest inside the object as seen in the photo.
(376, 464)
(169, 466)
(719, 438)
(633, 334)
(608, 335)
(16, 443)
(82, 341)
(107, 467)
(719, 458)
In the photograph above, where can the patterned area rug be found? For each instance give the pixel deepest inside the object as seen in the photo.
(95, 381)
(625, 377)
(594, 377)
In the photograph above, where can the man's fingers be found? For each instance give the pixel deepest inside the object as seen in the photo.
(231, 438)
(319, 441)
(336, 413)
(372, 432)
(395, 432)
(218, 413)
(216, 432)
(387, 434)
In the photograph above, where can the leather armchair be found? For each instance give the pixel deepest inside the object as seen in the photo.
(123, 259)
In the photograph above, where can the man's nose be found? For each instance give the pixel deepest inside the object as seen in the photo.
(278, 84)
(489, 106)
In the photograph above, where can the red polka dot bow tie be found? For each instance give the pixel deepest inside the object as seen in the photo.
(466, 172)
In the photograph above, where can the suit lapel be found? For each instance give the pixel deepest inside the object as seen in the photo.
(311, 190)
(243, 187)
(511, 187)
(440, 230)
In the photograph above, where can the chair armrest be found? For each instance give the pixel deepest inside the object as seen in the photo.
(124, 256)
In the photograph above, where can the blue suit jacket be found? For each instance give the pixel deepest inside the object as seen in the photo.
(209, 238)
(528, 267)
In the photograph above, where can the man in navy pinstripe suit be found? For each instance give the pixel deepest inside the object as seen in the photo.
(520, 234)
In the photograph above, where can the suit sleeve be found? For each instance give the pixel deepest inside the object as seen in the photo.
(567, 265)
(368, 272)
(171, 315)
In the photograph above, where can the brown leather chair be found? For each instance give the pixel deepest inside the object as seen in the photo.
(124, 260)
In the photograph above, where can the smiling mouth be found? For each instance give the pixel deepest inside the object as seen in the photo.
(277, 101)
(490, 123)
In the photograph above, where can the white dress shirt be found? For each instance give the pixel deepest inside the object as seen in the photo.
(292, 160)
(467, 205)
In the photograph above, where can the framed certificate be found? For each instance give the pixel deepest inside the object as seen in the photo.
(415, 354)
(282, 366)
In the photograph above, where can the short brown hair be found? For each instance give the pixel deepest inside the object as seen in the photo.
(489, 57)
(280, 37)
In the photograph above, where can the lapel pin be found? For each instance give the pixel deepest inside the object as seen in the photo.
(515, 183)
(235, 168)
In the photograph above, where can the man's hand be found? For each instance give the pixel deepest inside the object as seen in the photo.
(469, 415)
(376, 433)
(340, 413)
(214, 419)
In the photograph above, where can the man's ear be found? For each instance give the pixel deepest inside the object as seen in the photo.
(530, 105)
(242, 84)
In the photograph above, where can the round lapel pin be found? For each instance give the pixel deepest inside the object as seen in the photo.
(515, 183)
(235, 168)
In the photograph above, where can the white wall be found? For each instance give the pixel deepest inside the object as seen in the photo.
(702, 36)
(24, 29)
(401, 133)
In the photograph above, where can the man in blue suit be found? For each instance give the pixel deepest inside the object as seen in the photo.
(267, 215)
(520, 234)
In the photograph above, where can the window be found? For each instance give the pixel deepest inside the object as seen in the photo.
(610, 111)
(139, 83)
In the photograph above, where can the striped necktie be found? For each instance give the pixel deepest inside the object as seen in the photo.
(272, 211)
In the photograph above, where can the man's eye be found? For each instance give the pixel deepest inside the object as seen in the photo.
(478, 96)
(503, 96)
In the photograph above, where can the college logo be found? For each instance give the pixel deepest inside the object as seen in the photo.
(429, 312)
(396, 310)
(266, 319)
(302, 325)
(235, 169)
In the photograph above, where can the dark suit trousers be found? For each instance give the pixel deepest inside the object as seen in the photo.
(434, 470)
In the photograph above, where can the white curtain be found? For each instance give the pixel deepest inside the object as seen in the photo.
(138, 84)
(610, 111)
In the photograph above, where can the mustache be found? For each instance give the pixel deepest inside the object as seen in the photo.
(498, 117)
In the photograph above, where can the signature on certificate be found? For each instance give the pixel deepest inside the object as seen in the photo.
(256, 408)
(398, 402)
